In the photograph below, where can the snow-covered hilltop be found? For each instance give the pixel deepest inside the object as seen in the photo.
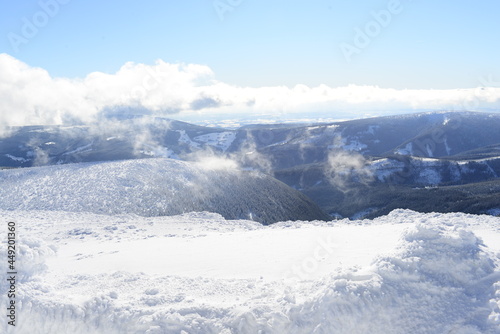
(155, 187)
(199, 273)
(391, 158)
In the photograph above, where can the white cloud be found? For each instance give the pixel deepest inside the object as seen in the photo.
(30, 95)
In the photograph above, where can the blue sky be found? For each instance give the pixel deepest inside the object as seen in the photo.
(224, 60)
(427, 45)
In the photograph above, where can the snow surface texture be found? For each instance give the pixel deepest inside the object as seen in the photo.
(155, 187)
(199, 273)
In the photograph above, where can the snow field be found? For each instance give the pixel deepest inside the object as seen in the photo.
(199, 273)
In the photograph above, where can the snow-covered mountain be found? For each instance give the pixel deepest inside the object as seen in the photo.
(431, 135)
(155, 187)
(197, 273)
(135, 138)
(324, 161)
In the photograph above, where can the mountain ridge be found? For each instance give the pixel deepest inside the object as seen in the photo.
(433, 149)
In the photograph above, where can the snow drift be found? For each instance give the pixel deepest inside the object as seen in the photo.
(198, 273)
(155, 187)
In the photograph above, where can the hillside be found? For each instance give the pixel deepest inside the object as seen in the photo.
(377, 187)
(113, 139)
(428, 135)
(154, 187)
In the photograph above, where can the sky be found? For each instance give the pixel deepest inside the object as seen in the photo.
(245, 51)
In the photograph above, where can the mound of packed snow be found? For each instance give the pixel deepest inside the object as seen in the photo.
(199, 273)
(155, 187)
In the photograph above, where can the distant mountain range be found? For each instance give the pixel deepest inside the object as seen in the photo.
(357, 168)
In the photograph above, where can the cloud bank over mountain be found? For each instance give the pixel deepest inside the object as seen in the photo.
(30, 95)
